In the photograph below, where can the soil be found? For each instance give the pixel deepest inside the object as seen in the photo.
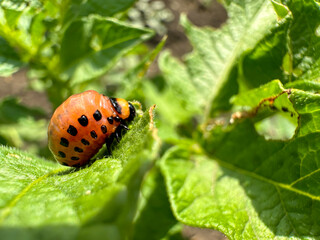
(213, 15)
(17, 85)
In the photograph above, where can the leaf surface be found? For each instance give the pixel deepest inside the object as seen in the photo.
(260, 189)
(155, 218)
(39, 198)
(217, 51)
(90, 46)
(79, 8)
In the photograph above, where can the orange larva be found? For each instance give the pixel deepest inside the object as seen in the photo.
(83, 123)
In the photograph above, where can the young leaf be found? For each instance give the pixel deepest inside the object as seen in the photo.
(90, 46)
(39, 198)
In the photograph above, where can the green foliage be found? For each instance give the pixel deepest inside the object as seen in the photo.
(76, 8)
(238, 173)
(65, 44)
(215, 53)
(96, 201)
(155, 218)
(238, 119)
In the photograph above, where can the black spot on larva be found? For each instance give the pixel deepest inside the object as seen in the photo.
(104, 129)
(117, 119)
(72, 130)
(64, 142)
(85, 142)
(97, 115)
(74, 158)
(291, 115)
(83, 120)
(62, 154)
(93, 134)
(65, 164)
(110, 120)
(284, 109)
(116, 105)
(77, 149)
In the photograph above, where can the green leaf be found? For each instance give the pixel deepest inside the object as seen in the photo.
(309, 86)
(254, 97)
(235, 202)
(9, 59)
(141, 69)
(304, 39)
(168, 103)
(44, 200)
(215, 53)
(174, 93)
(178, 81)
(131, 81)
(266, 61)
(79, 8)
(155, 218)
(274, 114)
(91, 46)
(16, 20)
(290, 52)
(249, 187)
(239, 179)
(199, 193)
(178, 95)
(281, 10)
(18, 5)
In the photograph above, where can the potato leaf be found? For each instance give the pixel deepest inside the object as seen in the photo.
(246, 186)
(90, 46)
(40, 199)
(78, 8)
(155, 218)
(215, 52)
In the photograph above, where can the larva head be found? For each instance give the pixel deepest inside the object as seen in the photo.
(124, 109)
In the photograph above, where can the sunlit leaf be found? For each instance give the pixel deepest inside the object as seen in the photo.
(40, 198)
